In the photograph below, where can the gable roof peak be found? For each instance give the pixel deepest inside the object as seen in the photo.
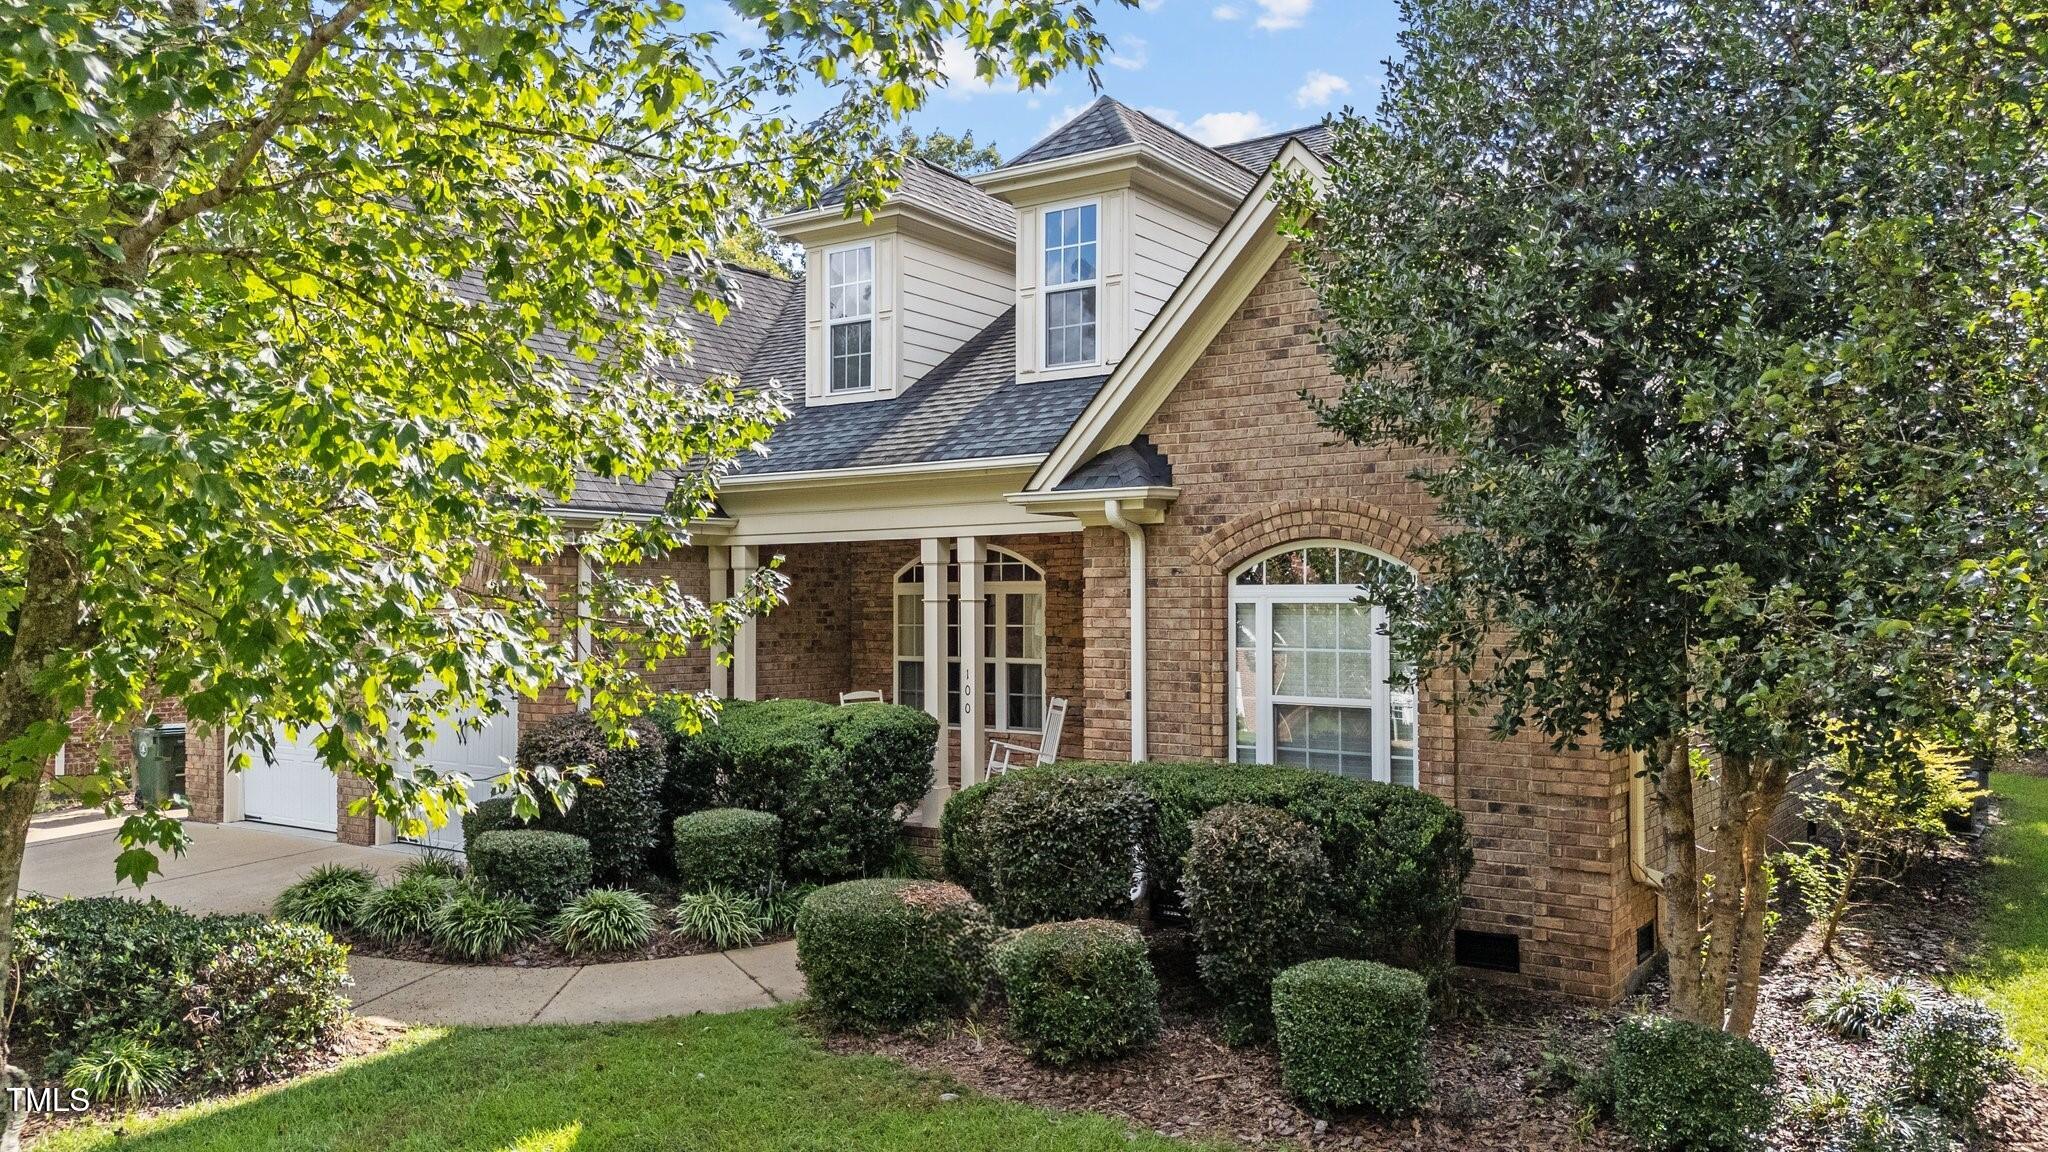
(1109, 123)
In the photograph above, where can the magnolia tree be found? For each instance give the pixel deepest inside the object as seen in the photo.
(1722, 322)
(279, 439)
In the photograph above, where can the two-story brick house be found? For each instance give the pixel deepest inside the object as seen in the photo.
(1048, 442)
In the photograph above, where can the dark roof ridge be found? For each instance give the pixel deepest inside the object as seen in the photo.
(1126, 108)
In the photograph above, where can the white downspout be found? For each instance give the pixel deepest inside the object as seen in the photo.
(1135, 533)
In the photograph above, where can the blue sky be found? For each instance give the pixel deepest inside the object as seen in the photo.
(1219, 70)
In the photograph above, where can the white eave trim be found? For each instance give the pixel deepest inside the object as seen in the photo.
(811, 220)
(1062, 171)
(882, 471)
(1240, 233)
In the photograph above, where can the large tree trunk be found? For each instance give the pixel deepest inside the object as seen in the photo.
(1714, 934)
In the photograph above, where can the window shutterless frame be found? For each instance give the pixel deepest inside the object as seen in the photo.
(1302, 645)
(1070, 250)
(1013, 640)
(850, 319)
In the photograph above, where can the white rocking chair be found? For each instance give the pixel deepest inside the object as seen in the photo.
(861, 698)
(1003, 755)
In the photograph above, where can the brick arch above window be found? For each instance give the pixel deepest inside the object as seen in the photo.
(1319, 518)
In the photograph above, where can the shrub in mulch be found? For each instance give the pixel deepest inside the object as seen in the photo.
(729, 848)
(236, 998)
(1679, 1087)
(1064, 848)
(329, 897)
(478, 925)
(889, 953)
(1080, 990)
(1352, 1035)
(542, 869)
(618, 812)
(1949, 1055)
(1256, 882)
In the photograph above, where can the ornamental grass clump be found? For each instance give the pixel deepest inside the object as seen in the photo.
(478, 925)
(405, 910)
(328, 897)
(720, 917)
(604, 920)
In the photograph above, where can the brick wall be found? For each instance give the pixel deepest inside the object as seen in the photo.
(801, 648)
(205, 753)
(1549, 828)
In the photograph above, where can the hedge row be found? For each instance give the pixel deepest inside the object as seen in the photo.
(840, 779)
(1397, 857)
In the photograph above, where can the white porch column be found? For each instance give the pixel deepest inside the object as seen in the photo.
(720, 557)
(745, 559)
(932, 553)
(1113, 512)
(972, 749)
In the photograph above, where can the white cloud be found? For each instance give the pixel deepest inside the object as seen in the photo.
(1228, 127)
(1318, 88)
(1226, 12)
(1214, 127)
(1131, 57)
(1275, 15)
(957, 62)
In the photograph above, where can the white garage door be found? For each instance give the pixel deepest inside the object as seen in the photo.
(485, 754)
(290, 787)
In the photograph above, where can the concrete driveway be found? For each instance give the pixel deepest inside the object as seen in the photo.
(242, 868)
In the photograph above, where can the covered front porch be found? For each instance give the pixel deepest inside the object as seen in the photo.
(938, 593)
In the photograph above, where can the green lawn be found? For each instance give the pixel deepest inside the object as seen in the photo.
(746, 1081)
(2011, 970)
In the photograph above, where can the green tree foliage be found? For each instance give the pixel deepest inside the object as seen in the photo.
(1721, 324)
(956, 154)
(277, 437)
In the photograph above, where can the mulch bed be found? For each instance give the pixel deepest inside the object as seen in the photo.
(1488, 1060)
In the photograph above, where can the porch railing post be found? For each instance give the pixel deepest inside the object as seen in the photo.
(745, 559)
(720, 557)
(932, 551)
(969, 551)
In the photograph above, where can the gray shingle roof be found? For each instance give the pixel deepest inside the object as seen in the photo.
(1257, 153)
(930, 186)
(1134, 465)
(970, 406)
(1110, 124)
(717, 348)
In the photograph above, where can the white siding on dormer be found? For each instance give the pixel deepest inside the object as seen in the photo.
(946, 299)
(1165, 243)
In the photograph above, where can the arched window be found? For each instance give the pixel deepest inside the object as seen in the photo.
(1012, 640)
(1309, 667)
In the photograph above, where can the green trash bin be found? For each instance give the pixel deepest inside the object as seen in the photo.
(159, 764)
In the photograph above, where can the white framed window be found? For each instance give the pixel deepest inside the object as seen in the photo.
(1073, 277)
(1310, 664)
(1012, 640)
(850, 319)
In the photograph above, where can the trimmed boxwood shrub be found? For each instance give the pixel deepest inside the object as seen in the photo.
(239, 996)
(1080, 990)
(619, 812)
(888, 953)
(543, 869)
(1064, 848)
(1684, 1088)
(689, 741)
(487, 816)
(730, 848)
(1351, 1035)
(841, 780)
(1398, 857)
(1948, 1054)
(1255, 884)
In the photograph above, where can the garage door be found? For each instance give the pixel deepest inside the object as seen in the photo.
(486, 754)
(289, 786)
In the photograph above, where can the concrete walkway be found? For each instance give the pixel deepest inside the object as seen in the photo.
(242, 867)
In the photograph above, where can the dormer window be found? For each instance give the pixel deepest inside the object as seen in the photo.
(850, 319)
(1072, 278)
